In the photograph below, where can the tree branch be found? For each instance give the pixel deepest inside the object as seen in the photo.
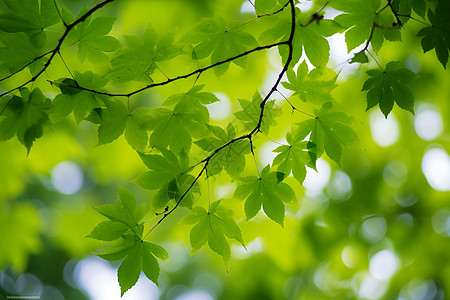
(57, 47)
(255, 130)
(170, 80)
(397, 16)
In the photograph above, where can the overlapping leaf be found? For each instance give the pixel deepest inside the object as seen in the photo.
(359, 17)
(80, 102)
(437, 35)
(125, 222)
(295, 156)
(385, 87)
(29, 16)
(213, 226)
(251, 112)
(385, 29)
(330, 132)
(405, 7)
(93, 40)
(220, 40)
(175, 128)
(266, 191)
(230, 158)
(116, 119)
(311, 87)
(25, 116)
(17, 52)
(168, 174)
(141, 56)
(311, 38)
(124, 212)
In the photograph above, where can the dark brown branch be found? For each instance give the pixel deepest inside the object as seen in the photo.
(58, 45)
(261, 16)
(185, 76)
(397, 16)
(370, 37)
(255, 130)
(26, 65)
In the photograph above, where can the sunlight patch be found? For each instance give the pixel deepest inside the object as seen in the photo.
(385, 132)
(436, 168)
(428, 123)
(67, 177)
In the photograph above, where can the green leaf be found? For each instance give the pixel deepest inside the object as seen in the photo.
(136, 130)
(405, 7)
(358, 17)
(124, 211)
(26, 117)
(437, 35)
(215, 38)
(137, 255)
(311, 87)
(141, 56)
(294, 157)
(310, 37)
(360, 57)
(81, 104)
(176, 128)
(31, 17)
(116, 119)
(93, 40)
(213, 227)
(385, 30)
(114, 122)
(231, 158)
(17, 52)
(264, 6)
(385, 87)
(78, 101)
(67, 86)
(168, 174)
(108, 231)
(266, 191)
(330, 132)
(251, 112)
(130, 269)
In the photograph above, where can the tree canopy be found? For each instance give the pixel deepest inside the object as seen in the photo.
(293, 149)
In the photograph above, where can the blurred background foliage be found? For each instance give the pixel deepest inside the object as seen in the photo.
(376, 227)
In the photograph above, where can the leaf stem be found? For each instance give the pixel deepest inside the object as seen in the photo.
(58, 45)
(256, 129)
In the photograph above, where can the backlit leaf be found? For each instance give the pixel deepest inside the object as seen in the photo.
(314, 87)
(213, 227)
(385, 87)
(266, 191)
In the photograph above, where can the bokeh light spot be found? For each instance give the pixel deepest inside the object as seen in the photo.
(220, 110)
(428, 122)
(436, 168)
(395, 173)
(373, 229)
(385, 132)
(315, 182)
(340, 187)
(383, 265)
(67, 177)
(441, 222)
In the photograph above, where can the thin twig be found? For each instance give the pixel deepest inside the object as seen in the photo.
(170, 80)
(249, 135)
(397, 17)
(59, 44)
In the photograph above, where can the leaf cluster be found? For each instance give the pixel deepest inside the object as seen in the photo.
(168, 138)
